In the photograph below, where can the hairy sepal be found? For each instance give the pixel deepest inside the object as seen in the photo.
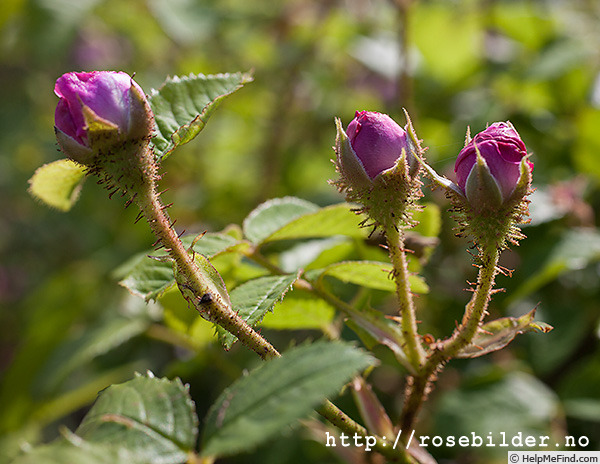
(391, 196)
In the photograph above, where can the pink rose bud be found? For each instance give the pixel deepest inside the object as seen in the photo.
(377, 141)
(98, 110)
(489, 167)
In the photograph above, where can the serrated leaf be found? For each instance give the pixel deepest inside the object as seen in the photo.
(326, 222)
(266, 401)
(272, 215)
(58, 183)
(183, 105)
(371, 274)
(253, 299)
(79, 351)
(146, 277)
(153, 420)
(495, 335)
(149, 278)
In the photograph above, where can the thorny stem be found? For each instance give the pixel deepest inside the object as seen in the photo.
(475, 311)
(197, 286)
(318, 290)
(412, 343)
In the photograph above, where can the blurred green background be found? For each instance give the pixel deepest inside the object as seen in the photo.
(451, 64)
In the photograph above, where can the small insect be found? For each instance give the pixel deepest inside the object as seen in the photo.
(206, 298)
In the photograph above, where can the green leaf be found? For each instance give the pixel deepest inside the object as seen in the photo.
(216, 284)
(271, 215)
(146, 277)
(326, 222)
(253, 299)
(79, 351)
(299, 310)
(152, 420)
(265, 402)
(371, 274)
(373, 327)
(182, 106)
(149, 278)
(62, 452)
(495, 335)
(58, 183)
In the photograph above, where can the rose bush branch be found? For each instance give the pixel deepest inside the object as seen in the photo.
(103, 122)
(490, 200)
(377, 162)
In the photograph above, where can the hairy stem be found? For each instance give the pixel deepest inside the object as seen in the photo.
(197, 287)
(475, 312)
(412, 342)
(195, 290)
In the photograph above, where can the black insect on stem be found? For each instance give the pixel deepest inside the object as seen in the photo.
(206, 298)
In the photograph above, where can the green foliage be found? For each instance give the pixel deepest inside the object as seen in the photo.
(495, 335)
(254, 298)
(182, 106)
(370, 274)
(145, 420)
(277, 394)
(270, 216)
(58, 184)
(68, 332)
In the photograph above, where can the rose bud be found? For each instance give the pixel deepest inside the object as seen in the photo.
(491, 166)
(378, 166)
(378, 141)
(97, 112)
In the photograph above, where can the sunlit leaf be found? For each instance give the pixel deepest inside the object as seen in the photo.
(495, 335)
(149, 278)
(272, 215)
(371, 274)
(183, 105)
(58, 183)
(326, 222)
(271, 398)
(253, 299)
(299, 310)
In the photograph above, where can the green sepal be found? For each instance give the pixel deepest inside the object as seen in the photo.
(482, 189)
(101, 133)
(349, 165)
(388, 199)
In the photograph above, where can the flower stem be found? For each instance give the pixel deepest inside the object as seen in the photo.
(475, 312)
(412, 344)
(197, 285)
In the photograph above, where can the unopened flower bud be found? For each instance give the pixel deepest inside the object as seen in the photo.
(376, 159)
(98, 110)
(490, 166)
(377, 140)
